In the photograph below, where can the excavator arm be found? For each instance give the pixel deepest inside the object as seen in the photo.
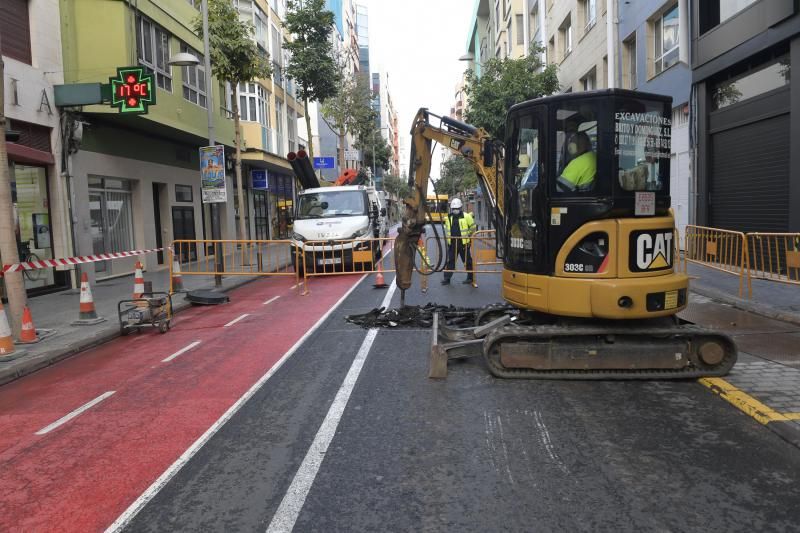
(469, 142)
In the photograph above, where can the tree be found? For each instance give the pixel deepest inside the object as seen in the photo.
(15, 286)
(503, 83)
(396, 185)
(311, 63)
(382, 151)
(350, 111)
(458, 176)
(235, 58)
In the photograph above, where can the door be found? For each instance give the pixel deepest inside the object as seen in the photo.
(261, 220)
(157, 220)
(183, 229)
(97, 229)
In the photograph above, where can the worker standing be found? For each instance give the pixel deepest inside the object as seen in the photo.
(459, 228)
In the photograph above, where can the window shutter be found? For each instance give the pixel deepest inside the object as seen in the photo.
(15, 30)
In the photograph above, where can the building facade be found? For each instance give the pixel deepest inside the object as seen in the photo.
(745, 114)
(31, 49)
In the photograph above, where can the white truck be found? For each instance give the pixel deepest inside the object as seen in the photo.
(349, 214)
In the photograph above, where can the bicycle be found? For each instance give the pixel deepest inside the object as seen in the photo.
(25, 255)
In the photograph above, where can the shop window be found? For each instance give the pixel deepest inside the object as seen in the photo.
(111, 216)
(665, 35)
(153, 50)
(183, 193)
(15, 29)
(194, 78)
(768, 77)
(32, 221)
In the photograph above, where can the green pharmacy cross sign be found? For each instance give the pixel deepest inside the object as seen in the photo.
(133, 90)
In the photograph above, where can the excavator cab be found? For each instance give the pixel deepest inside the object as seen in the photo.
(587, 198)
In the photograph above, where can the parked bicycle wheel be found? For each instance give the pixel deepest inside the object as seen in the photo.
(33, 275)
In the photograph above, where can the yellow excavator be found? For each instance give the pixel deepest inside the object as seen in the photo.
(580, 194)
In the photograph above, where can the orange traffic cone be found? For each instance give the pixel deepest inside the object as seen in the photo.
(6, 340)
(138, 282)
(380, 283)
(177, 279)
(88, 315)
(28, 333)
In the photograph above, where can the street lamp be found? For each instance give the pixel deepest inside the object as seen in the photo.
(185, 59)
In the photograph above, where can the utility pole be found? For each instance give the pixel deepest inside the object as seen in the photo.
(15, 288)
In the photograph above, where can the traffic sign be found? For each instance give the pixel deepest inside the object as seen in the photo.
(324, 162)
(352, 155)
(259, 178)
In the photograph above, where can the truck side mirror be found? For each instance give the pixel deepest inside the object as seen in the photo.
(488, 153)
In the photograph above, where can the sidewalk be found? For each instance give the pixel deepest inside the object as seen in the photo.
(770, 298)
(58, 310)
(765, 382)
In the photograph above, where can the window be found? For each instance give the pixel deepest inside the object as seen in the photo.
(153, 49)
(714, 12)
(279, 125)
(253, 103)
(497, 17)
(629, 62)
(183, 193)
(551, 50)
(665, 33)
(194, 79)
(508, 39)
(261, 28)
(534, 20)
(520, 29)
(565, 37)
(15, 29)
(589, 9)
(773, 75)
(291, 129)
(642, 141)
(526, 168)
(589, 82)
(575, 149)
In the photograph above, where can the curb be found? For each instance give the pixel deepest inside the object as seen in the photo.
(59, 354)
(761, 413)
(745, 305)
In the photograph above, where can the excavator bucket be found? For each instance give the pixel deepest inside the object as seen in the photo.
(457, 343)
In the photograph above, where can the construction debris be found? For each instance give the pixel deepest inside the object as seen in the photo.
(415, 316)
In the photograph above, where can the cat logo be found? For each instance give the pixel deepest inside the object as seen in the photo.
(651, 250)
(455, 144)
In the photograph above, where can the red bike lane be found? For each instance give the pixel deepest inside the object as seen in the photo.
(81, 475)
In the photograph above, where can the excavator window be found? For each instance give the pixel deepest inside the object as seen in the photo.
(642, 138)
(575, 150)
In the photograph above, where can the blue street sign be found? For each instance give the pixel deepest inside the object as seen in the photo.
(323, 162)
(259, 179)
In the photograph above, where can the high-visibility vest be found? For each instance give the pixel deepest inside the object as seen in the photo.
(466, 224)
(580, 172)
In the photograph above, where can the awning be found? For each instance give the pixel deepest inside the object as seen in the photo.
(19, 153)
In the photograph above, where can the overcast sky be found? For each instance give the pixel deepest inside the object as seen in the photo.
(418, 42)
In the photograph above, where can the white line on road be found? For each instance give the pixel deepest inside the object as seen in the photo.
(181, 351)
(76, 412)
(235, 320)
(134, 508)
(271, 300)
(288, 511)
(294, 286)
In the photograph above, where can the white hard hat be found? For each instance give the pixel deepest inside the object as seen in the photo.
(455, 203)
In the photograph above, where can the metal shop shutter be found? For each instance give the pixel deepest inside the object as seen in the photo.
(749, 186)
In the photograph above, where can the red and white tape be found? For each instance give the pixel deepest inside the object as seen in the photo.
(67, 261)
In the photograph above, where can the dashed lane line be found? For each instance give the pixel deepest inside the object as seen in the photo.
(126, 517)
(271, 300)
(66, 418)
(181, 351)
(235, 320)
(291, 505)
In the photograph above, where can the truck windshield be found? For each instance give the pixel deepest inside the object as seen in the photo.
(642, 140)
(331, 204)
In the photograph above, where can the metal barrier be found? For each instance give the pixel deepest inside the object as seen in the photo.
(482, 250)
(239, 258)
(719, 249)
(775, 256)
(344, 257)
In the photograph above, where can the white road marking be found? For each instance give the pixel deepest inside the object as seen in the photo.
(126, 517)
(271, 300)
(288, 511)
(294, 286)
(181, 351)
(76, 412)
(235, 320)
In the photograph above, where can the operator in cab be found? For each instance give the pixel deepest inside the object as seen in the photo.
(458, 228)
(579, 174)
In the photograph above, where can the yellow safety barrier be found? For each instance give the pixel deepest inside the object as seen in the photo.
(344, 257)
(237, 258)
(775, 256)
(482, 250)
(720, 249)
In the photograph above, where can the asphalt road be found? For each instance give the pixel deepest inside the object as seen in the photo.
(471, 453)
